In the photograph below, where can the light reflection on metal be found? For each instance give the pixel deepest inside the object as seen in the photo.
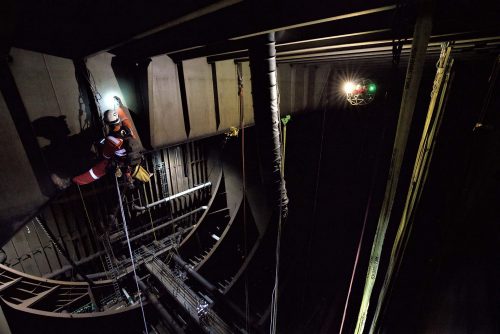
(167, 199)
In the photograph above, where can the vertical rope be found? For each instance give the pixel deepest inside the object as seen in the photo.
(274, 299)
(52, 84)
(131, 254)
(92, 227)
(324, 98)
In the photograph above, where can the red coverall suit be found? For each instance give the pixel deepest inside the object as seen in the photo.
(112, 147)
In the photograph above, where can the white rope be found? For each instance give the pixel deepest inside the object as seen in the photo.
(274, 301)
(131, 255)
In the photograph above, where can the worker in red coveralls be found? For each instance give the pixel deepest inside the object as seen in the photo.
(120, 149)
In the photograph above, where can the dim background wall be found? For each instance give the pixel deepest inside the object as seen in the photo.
(247, 94)
(200, 97)
(302, 85)
(18, 186)
(165, 107)
(227, 94)
(47, 86)
(105, 81)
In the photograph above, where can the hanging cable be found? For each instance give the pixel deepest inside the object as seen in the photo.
(91, 224)
(365, 218)
(131, 254)
(490, 93)
(267, 121)
(324, 100)
(274, 298)
(52, 84)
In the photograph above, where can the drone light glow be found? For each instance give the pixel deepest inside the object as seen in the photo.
(360, 92)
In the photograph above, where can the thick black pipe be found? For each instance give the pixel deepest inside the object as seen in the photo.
(169, 319)
(267, 117)
(212, 289)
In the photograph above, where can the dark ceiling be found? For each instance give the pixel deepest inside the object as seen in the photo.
(222, 29)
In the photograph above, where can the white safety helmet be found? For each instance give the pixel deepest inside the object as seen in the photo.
(111, 117)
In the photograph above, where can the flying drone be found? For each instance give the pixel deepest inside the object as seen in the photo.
(360, 92)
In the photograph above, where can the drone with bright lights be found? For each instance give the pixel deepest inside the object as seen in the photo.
(360, 92)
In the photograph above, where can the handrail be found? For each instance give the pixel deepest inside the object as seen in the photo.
(169, 198)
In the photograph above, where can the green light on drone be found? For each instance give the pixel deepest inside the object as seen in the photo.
(372, 88)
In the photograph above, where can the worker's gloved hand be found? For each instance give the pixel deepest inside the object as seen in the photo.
(61, 183)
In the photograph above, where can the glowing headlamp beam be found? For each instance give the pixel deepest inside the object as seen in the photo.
(349, 87)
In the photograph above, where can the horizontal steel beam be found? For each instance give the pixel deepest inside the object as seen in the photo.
(69, 267)
(169, 198)
(159, 227)
(239, 22)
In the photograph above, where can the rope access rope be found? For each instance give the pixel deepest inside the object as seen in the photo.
(92, 228)
(324, 100)
(131, 254)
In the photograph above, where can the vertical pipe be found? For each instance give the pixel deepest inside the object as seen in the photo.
(267, 117)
